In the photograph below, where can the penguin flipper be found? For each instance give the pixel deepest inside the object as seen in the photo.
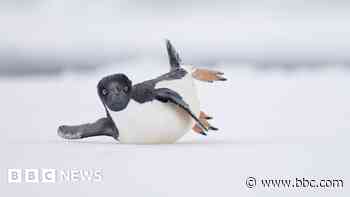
(173, 55)
(103, 126)
(176, 73)
(167, 95)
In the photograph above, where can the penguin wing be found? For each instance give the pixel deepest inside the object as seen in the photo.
(166, 95)
(144, 91)
(173, 55)
(103, 126)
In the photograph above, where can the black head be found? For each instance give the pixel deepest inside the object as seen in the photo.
(115, 91)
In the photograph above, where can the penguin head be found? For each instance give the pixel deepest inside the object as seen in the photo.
(115, 91)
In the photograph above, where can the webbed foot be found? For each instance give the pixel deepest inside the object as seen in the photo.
(203, 117)
(208, 75)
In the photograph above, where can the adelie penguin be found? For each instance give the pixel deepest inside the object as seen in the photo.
(160, 110)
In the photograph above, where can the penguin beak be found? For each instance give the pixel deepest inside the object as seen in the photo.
(117, 101)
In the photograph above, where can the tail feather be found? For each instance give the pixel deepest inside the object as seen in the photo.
(174, 58)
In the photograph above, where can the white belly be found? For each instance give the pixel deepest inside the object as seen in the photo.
(157, 122)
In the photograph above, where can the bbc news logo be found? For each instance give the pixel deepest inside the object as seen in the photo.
(49, 175)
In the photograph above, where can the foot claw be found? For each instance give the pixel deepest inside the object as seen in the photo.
(213, 128)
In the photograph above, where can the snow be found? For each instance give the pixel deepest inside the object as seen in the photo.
(272, 125)
(57, 34)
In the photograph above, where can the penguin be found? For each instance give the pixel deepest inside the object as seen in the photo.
(159, 110)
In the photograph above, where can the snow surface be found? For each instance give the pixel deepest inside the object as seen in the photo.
(272, 125)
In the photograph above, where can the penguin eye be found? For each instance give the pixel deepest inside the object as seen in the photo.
(104, 92)
(126, 88)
